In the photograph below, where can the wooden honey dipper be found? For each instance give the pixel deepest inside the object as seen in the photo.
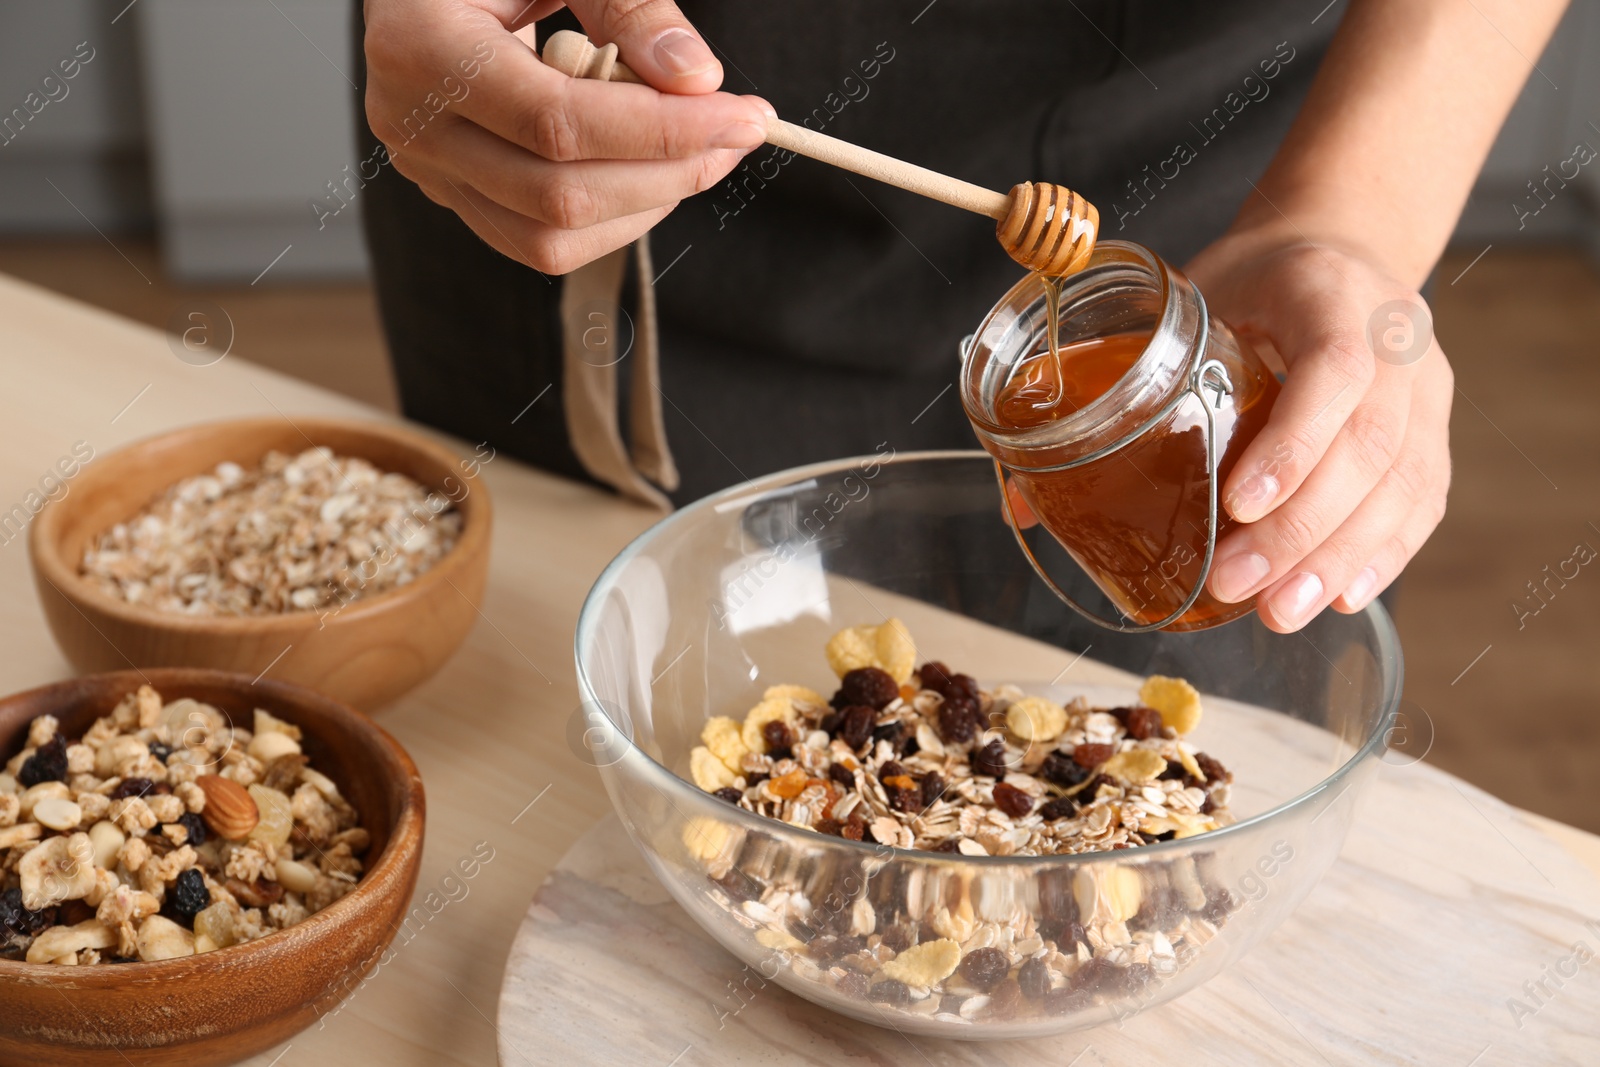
(1047, 228)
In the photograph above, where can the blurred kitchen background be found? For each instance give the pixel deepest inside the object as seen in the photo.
(186, 160)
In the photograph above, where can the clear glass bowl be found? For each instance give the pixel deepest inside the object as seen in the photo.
(742, 590)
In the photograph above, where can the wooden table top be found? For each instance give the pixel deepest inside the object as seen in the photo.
(488, 732)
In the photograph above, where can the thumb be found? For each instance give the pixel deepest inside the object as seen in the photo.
(655, 40)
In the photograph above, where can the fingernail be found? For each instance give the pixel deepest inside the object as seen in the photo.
(738, 135)
(1237, 575)
(682, 53)
(1254, 495)
(1361, 588)
(1292, 604)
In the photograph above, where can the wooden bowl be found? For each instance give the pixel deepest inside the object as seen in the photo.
(367, 653)
(222, 1006)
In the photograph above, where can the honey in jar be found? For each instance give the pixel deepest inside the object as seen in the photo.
(1111, 452)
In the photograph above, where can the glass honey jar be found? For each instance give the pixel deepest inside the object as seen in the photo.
(1122, 458)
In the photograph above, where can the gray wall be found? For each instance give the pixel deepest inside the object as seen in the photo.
(1559, 107)
(222, 120)
(89, 140)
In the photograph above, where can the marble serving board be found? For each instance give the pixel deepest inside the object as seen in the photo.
(1415, 949)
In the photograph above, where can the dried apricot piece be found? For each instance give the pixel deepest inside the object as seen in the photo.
(1176, 700)
(788, 785)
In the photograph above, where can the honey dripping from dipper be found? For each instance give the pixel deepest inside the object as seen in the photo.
(1052, 231)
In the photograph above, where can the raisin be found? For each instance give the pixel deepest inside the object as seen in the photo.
(869, 686)
(1214, 771)
(855, 828)
(949, 844)
(1034, 978)
(965, 685)
(160, 751)
(853, 985)
(73, 912)
(1057, 900)
(1003, 1002)
(990, 760)
(838, 772)
(1066, 1001)
(855, 725)
(14, 918)
(1175, 772)
(1120, 714)
(1159, 910)
(196, 827)
(985, 968)
(1208, 806)
(830, 948)
(958, 720)
(890, 991)
(890, 769)
(892, 732)
(47, 764)
(932, 790)
(1134, 977)
(1092, 790)
(934, 675)
(950, 1004)
(898, 937)
(1093, 753)
(780, 741)
(1092, 975)
(1059, 808)
(1062, 770)
(1219, 902)
(187, 897)
(907, 800)
(828, 827)
(755, 778)
(1011, 800)
(739, 886)
(1143, 723)
(729, 793)
(132, 787)
(1068, 935)
(829, 724)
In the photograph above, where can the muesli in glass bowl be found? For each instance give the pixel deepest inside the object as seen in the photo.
(926, 759)
(723, 607)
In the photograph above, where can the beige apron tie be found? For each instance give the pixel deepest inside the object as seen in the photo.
(591, 313)
(647, 433)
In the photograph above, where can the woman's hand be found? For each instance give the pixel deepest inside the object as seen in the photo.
(550, 170)
(1348, 477)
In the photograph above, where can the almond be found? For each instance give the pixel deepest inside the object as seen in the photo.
(229, 810)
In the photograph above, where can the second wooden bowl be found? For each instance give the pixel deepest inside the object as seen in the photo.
(220, 1007)
(367, 653)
